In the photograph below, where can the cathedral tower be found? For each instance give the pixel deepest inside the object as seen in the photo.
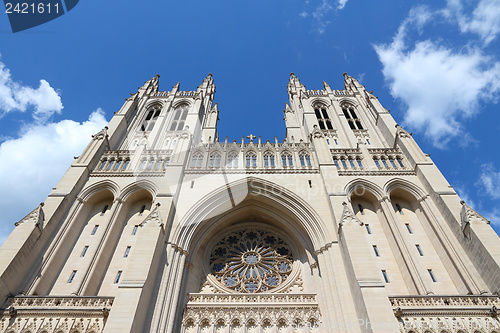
(159, 226)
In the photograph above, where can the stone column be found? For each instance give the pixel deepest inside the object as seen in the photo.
(165, 309)
(453, 253)
(93, 275)
(403, 256)
(374, 308)
(54, 259)
(135, 289)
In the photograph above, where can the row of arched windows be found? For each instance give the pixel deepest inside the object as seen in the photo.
(250, 160)
(388, 162)
(154, 164)
(111, 164)
(348, 162)
(357, 163)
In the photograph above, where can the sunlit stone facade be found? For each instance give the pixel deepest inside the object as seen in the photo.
(161, 226)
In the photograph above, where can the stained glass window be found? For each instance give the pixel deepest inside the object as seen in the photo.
(251, 261)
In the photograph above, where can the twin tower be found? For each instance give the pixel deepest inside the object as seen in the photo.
(160, 226)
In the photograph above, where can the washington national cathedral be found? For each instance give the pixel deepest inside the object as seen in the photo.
(162, 226)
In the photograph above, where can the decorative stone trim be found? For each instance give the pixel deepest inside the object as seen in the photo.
(55, 314)
(37, 217)
(376, 173)
(348, 217)
(422, 314)
(264, 310)
(153, 216)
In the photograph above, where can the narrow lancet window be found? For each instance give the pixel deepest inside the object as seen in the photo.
(118, 276)
(84, 252)
(72, 277)
(104, 210)
(360, 208)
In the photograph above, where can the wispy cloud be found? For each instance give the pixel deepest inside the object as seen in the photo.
(489, 180)
(320, 13)
(33, 162)
(484, 20)
(439, 85)
(341, 4)
(16, 97)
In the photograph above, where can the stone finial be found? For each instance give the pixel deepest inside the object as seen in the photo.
(400, 132)
(467, 215)
(153, 216)
(288, 109)
(37, 217)
(348, 216)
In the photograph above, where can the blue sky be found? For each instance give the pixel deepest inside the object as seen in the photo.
(434, 64)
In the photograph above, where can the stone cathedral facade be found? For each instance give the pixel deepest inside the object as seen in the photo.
(161, 226)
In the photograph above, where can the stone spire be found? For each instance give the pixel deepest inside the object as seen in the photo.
(351, 83)
(151, 85)
(294, 84)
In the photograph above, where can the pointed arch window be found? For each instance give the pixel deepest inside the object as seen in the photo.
(197, 160)
(158, 164)
(110, 165)
(232, 160)
(360, 164)
(322, 117)
(118, 165)
(286, 159)
(305, 159)
(251, 160)
(269, 159)
(180, 115)
(214, 161)
(352, 118)
(103, 163)
(125, 164)
(151, 163)
(152, 116)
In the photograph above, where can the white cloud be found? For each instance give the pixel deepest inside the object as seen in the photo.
(440, 86)
(490, 180)
(484, 20)
(341, 4)
(14, 96)
(33, 163)
(319, 14)
(493, 216)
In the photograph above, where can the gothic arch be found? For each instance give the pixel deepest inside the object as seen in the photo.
(181, 102)
(347, 101)
(321, 102)
(141, 184)
(153, 103)
(405, 185)
(354, 187)
(93, 189)
(199, 219)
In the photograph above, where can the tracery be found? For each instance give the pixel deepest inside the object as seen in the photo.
(251, 261)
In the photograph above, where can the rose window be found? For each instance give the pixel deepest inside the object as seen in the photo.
(251, 261)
